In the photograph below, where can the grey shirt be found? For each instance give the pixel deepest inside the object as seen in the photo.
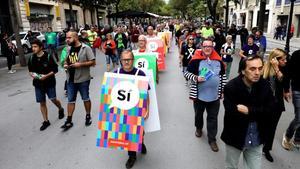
(82, 74)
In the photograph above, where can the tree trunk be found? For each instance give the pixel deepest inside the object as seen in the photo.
(226, 16)
(117, 10)
(16, 29)
(262, 11)
(212, 6)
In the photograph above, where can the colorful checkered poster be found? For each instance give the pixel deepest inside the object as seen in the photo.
(123, 103)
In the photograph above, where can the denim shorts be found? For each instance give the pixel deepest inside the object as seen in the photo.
(82, 88)
(111, 58)
(40, 94)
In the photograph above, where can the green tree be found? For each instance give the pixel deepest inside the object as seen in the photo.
(181, 6)
(196, 9)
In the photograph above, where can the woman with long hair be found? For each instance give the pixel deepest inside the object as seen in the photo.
(274, 72)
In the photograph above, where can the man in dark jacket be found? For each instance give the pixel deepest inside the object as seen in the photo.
(294, 80)
(233, 32)
(243, 32)
(248, 101)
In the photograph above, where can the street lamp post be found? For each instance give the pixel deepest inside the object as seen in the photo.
(287, 44)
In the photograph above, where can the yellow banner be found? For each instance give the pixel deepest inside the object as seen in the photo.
(57, 10)
(27, 8)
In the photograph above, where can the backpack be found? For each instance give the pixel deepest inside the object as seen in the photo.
(30, 59)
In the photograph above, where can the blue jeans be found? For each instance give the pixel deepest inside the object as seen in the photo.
(251, 157)
(52, 50)
(119, 52)
(40, 94)
(111, 58)
(294, 127)
(82, 88)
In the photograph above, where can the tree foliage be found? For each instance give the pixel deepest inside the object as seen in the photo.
(154, 6)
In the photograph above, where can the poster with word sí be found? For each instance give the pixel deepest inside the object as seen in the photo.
(146, 61)
(157, 45)
(123, 104)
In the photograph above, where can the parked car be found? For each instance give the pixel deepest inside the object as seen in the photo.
(24, 39)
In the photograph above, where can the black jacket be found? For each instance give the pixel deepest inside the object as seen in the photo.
(259, 102)
(293, 70)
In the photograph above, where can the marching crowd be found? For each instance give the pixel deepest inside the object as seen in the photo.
(253, 101)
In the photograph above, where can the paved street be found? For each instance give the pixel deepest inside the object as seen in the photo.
(23, 146)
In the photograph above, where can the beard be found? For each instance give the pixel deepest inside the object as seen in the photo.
(72, 43)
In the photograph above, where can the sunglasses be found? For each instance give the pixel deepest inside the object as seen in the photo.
(191, 39)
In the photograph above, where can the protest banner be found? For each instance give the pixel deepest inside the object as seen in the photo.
(146, 61)
(123, 102)
(157, 45)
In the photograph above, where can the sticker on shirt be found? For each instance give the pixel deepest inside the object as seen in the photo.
(250, 52)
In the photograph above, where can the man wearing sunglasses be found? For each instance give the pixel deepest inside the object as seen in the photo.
(206, 72)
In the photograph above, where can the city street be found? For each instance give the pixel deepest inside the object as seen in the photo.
(24, 146)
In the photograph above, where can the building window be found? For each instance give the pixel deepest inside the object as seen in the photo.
(288, 1)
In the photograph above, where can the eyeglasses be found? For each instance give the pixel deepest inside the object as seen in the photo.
(191, 39)
(207, 47)
(126, 60)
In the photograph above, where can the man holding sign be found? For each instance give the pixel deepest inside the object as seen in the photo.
(127, 60)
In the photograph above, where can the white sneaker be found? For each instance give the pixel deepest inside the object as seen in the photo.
(10, 72)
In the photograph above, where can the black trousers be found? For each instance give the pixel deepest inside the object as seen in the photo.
(11, 60)
(212, 109)
(133, 153)
(270, 135)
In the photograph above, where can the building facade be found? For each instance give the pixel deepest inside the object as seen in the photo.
(247, 13)
(38, 15)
